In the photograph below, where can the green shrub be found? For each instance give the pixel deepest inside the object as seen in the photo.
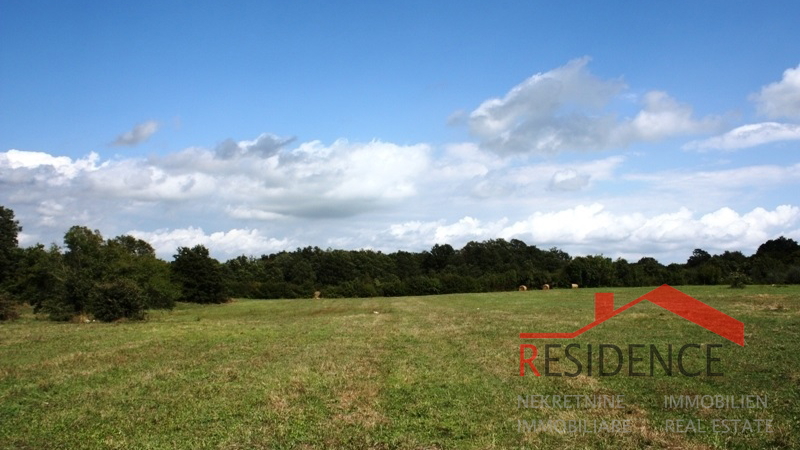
(424, 285)
(8, 308)
(116, 300)
(738, 280)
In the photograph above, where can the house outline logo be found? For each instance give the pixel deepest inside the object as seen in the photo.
(668, 298)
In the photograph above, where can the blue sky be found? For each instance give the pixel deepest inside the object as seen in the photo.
(598, 127)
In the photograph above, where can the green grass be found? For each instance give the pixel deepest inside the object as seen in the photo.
(413, 372)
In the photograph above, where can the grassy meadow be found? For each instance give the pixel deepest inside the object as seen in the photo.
(438, 372)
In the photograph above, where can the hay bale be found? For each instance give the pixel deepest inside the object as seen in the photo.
(545, 287)
(523, 288)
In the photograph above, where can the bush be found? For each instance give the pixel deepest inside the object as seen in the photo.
(116, 300)
(160, 293)
(8, 308)
(793, 275)
(738, 280)
(424, 285)
(58, 309)
(392, 287)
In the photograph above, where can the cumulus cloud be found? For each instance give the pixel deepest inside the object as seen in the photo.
(748, 136)
(22, 168)
(563, 109)
(227, 244)
(781, 98)
(60, 167)
(137, 135)
(527, 118)
(661, 118)
(261, 181)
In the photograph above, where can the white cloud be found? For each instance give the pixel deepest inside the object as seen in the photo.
(137, 180)
(592, 228)
(563, 109)
(527, 119)
(137, 135)
(748, 136)
(466, 228)
(419, 234)
(313, 180)
(226, 244)
(661, 118)
(287, 188)
(574, 225)
(45, 168)
(378, 168)
(782, 98)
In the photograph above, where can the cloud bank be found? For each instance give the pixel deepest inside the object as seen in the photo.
(590, 229)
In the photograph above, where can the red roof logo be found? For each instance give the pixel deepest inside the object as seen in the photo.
(668, 298)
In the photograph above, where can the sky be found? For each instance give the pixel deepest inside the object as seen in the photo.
(627, 129)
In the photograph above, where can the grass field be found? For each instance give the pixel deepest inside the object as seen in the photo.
(412, 372)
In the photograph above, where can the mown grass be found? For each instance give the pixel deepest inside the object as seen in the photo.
(412, 372)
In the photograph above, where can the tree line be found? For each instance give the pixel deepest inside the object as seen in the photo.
(109, 279)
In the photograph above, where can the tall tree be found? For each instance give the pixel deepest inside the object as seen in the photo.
(40, 279)
(135, 260)
(438, 258)
(199, 275)
(782, 249)
(9, 245)
(86, 265)
(698, 258)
